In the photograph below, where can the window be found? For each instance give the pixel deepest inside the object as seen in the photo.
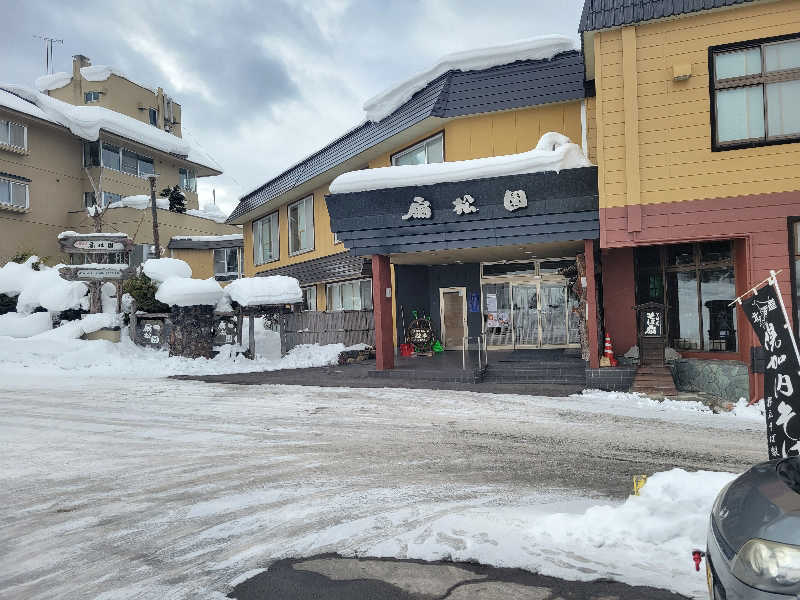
(301, 226)
(350, 295)
(187, 179)
(265, 239)
(13, 134)
(696, 283)
(153, 113)
(119, 159)
(91, 154)
(109, 197)
(13, 194)
(426, 152)
(310, 298)
(89, 199)
(756, 89)
(226, 263)
(89, 97)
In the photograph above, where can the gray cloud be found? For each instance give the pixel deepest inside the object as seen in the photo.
(263, 84)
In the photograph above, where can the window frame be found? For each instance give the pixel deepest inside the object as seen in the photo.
(8, 124)
(186, 172)
(761, 79)
(227, 275)
(277, 256)
(338, 284)
(94, 94)
(10, 205)
(414, 146)
(301, 250)
(152, 115)
(120, 150)
(305, 289)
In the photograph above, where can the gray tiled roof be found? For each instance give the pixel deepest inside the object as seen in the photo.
(602, 14)
(454, 94)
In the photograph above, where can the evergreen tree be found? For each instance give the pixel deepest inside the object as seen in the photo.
(177, 201)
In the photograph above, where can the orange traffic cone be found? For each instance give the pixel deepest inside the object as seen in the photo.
(609, 352)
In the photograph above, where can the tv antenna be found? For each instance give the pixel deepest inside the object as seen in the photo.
(48, 51)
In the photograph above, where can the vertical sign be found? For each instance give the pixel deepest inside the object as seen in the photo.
(767, 315)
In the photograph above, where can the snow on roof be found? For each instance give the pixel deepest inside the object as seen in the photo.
(256, 291)
(554, 152)
(210, 238)
(538, 48)
(66, 234)
(53, 81)
(142, 201)
(161, 269)
(177, 291)
(87, 121)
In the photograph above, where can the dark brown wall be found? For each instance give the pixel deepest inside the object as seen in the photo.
(619, 297)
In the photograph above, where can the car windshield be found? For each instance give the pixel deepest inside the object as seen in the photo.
(789, 472)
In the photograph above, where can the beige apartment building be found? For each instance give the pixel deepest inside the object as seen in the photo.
(92, 137)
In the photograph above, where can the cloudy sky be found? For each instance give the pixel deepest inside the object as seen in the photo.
(264, 83)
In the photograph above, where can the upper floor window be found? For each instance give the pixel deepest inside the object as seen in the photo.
(756, 92)
(265, 239)
(91, 97)
(301, 225)
(153, 117)
(13, 134)
(425, 152)
(187, 179)
(119, 159)
(14, 194)
(90, 199)
(226, 263)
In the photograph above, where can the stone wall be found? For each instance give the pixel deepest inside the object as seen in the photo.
(726, 379)
(192, 333)
(611, 379)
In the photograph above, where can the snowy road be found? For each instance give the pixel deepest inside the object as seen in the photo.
(176, 489)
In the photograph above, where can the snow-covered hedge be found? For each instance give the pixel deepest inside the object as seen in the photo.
(42, 287)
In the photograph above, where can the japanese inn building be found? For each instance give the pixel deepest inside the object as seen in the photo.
(683, 189)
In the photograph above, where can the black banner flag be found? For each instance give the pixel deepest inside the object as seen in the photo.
(767, 315)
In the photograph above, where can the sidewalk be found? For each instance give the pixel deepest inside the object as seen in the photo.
(336, 578)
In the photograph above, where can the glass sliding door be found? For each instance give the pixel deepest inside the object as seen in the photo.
(553, 313)
(526, 315)
(497, 314)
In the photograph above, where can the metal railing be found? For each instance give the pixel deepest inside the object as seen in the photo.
(480, 349)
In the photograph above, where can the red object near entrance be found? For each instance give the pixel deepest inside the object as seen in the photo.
(608, 352)
(406, 349)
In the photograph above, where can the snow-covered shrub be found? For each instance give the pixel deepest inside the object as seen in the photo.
(7, 304)
(143, 291)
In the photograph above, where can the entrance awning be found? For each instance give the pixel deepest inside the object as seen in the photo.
(336, 267)
(532, 208)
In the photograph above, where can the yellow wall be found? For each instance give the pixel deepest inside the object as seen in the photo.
(479, 136)
(201, 261)
(654, 134)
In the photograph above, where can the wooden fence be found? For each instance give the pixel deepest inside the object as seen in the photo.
(348, 327)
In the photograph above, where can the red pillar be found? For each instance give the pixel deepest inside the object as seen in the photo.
(591, 305)
(382, 308)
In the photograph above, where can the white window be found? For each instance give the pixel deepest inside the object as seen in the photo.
(13, 194)
(153, 117)
(426, 152)
(89, 97)
(350, 295)
(301, 226)
(310, 298)
(266, 247)
(13, 134)
(756, 92)
(226, 263)
(187, 180)
(119, 159)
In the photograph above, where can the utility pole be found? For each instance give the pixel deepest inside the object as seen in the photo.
(154, 212)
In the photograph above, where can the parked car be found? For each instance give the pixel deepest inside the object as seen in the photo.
(754, 535)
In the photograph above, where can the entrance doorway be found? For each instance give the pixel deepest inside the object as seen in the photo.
(453, 315)
(528, 305)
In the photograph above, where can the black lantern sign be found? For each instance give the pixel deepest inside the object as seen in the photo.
(767, 314)
(652, 340)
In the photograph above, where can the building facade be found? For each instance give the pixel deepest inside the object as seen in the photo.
(84, 141)
(698, 156)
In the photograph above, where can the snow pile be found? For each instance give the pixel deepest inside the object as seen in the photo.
(100, 72)
(140, 202)
(210, 211)
(17, 325)
(254, 291)
(44, 287)
(161, 269)
(554, 152)
(54, 81)
(177, 291)
(66, 234)
(87, 121)
(86, 324)
(538, 48)
(18, 104)
(746, 410)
